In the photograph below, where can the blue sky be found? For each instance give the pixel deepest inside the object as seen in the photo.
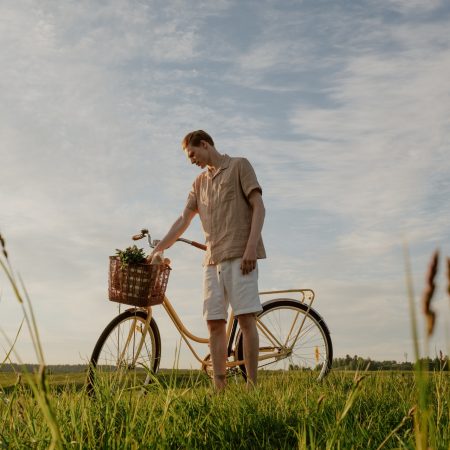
(342, 107)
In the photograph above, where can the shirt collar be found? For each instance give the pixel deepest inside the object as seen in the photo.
(223, 165)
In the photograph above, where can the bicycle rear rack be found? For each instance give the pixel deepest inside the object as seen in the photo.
(305, 294)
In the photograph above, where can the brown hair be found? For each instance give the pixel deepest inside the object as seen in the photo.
(195, 137)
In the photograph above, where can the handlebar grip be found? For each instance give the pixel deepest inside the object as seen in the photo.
(136, 237)
(198, 245)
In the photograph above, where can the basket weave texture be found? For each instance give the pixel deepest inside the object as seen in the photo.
(137, 284)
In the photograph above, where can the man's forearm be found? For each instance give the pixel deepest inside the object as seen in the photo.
(258, 215)
(250, 256)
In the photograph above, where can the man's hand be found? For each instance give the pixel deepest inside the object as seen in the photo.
(248, 263)
(155, 257)
(177, 229)
(152, 255)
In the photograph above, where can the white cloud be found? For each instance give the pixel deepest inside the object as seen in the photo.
(415, 5)
(382, 145)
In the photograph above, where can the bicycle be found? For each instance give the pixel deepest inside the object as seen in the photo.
(293, 336)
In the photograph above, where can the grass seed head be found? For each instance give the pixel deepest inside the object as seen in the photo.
(412, 411)
(427, 296)
(320, 400)
(3, 244)
(358, 378)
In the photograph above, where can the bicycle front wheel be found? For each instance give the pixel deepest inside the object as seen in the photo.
(126, 354)
(291, 338)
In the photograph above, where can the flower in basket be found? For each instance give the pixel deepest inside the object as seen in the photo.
(129, 274)
(131, 255)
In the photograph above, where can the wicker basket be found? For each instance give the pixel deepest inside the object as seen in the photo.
(137, 284)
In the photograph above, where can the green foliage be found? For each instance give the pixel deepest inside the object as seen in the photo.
(439, 363)
(131, 255)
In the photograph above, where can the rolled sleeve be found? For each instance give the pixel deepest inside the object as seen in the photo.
(248, 179)
(191, 202)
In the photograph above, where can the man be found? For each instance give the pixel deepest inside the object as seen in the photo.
(227, 197)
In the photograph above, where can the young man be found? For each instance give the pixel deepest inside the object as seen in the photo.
(227, 197)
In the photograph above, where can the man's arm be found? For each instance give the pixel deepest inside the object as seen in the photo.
(258, 213)
(176, 230)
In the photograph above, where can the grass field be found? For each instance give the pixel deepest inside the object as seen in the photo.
(288, 410)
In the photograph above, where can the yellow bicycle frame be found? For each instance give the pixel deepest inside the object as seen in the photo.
(279, 349)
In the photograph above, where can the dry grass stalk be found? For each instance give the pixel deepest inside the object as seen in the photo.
(410, 414)
(430, 315)
(448, 275)
(320, 400)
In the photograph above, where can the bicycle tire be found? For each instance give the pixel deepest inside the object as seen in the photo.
(313, 350)
(111, 363)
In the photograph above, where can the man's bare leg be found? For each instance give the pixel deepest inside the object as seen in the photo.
(247, 323)
(218, 349)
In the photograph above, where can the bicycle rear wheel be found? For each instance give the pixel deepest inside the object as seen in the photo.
(126, 354)
(291, 338)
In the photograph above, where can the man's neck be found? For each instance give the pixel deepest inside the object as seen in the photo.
(216, 160)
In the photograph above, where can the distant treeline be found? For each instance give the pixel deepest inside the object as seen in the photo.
(359, 363)
(347, 363)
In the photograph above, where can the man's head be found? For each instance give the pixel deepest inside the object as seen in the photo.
(198, 146)
(194, 139)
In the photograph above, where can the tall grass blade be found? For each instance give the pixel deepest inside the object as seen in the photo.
(412, 307)
(13, 343)
(39, 386)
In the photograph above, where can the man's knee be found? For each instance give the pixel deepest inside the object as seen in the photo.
(247, 321)
(216, 326)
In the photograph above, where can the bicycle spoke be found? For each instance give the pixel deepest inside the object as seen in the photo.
(266, 332)
(127, 354)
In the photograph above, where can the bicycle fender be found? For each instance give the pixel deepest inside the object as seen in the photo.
(312, 310)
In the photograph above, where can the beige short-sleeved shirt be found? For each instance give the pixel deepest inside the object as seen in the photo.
(221, 200)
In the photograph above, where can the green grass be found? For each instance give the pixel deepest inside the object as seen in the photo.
(289, 410)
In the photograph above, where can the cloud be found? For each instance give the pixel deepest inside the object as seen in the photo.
(381, 140)
(415, 5)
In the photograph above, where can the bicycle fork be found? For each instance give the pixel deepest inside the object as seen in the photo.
(132, 336)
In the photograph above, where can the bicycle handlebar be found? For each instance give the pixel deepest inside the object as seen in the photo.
(144, 232)
(193, 243)
(141, 235)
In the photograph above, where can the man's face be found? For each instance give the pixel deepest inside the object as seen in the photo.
(198, 155)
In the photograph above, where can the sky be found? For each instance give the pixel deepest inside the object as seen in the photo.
(343, 109)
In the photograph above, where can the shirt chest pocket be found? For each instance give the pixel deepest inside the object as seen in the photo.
(226, 192)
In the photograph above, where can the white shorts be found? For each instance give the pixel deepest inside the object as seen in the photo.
(224, 284)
